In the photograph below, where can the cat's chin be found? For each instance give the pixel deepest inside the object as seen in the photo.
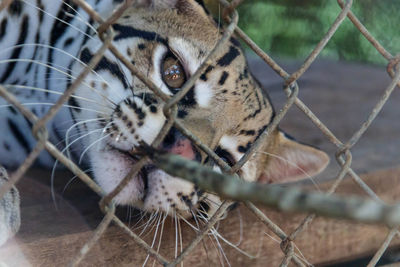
(150, 190)
(110, 167)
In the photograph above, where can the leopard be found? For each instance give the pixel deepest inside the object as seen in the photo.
(46, 44)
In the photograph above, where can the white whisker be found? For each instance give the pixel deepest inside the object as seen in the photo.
(231, 244)
(212, 201)
(180, 239)
(291, 164)
(71, 180)
(188, 223)
(222, 251)
(52, 104)
(195, 219)
(54, 17)
(240, 228)
(76, 73)
(70, 129)
(154, 223)
(272, 238)
(176, 234)
(161, 234)
(58, 50)
(79, 17)
(11, 86)
(143, 214)
(300, 255)
(91, 145)
(145, 224)
(55, 165)
(55, 69)
(216, 247)
(150, 221)
(215, 233)
(154, 239)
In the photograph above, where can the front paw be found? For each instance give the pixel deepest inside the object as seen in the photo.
(10, 219)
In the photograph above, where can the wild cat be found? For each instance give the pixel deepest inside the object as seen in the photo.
(45, 44)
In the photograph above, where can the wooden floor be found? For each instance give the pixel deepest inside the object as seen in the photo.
(339, 93)
(51, 237)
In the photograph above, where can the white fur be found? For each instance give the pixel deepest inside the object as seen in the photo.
(172, 186)
(109, 168)
(147, 132)
(203, 94)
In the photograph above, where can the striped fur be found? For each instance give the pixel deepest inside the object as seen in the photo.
(45, 44)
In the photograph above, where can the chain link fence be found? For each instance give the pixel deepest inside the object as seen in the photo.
(291, 88)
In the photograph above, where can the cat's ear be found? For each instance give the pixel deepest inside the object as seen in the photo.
(188, 7)
(290, 161)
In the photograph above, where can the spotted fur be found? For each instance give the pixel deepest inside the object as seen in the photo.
(44, 45)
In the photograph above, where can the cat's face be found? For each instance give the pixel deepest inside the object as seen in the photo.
(167, 41)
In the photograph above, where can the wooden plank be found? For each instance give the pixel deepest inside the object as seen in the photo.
(49, 237)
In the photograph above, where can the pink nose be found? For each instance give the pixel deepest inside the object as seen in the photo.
(183, 147)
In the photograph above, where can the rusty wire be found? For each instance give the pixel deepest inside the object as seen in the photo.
(291, 88)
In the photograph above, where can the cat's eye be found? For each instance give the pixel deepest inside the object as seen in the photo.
(173, 73)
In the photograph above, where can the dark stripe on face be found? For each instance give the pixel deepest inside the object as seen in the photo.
(23, 34)
(223, 78)
(128, 32)
(12, 109)
(104, 64)
(29, 122)
(73, 103)
(244, 149)
(3, 27)
(40, 12)
(261, 130)
(203, 76)
(59, 28)
(15, 8)
(225, 156)
(188, 99)
(258, 110)
(235, 42)
(228, 57)
(35, 53)
(68, 42)
(59, 136)
(182, 113)
(248, 132)
(19, 136)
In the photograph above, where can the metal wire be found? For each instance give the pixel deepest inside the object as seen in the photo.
(343, 155)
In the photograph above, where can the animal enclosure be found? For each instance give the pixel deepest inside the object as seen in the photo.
(287, 250)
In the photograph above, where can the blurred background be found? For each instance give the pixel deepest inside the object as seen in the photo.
(341, 87)
(292, 28)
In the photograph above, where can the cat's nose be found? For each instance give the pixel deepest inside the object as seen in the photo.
(177, 143)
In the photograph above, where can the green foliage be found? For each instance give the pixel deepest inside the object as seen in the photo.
(292, 28)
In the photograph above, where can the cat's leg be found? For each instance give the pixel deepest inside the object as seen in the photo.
(10, 219)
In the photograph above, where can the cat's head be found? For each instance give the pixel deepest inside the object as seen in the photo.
(167, 41)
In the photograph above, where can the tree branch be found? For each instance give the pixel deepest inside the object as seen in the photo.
(290, 199)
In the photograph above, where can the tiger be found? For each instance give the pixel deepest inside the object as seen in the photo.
(45, 45)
